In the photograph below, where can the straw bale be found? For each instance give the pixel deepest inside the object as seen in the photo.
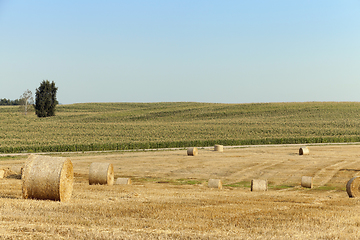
(48, 178)
(218, 148)
(258, 185)
(9, 173)
(215, 183)
(304, 151)
(353, 187)
(307, 182)
(5, 172)
(120, 181)
(17, 169)
(101, 173)
(192, 151)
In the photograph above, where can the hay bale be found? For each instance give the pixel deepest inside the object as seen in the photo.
(101, 173)
(192, 151)
(258, 185)
(353, 187)
(215, 183)
(6, 172)
(48, 178)
(304, 151)
(307, 182)
(17, 169)
(218, 148)
(120, 181)
(9, 173)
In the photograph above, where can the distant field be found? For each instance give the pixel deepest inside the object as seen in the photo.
(118, 126)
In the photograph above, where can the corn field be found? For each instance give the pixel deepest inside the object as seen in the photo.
(121, 126)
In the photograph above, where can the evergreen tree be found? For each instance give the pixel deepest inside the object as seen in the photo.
(45, 99)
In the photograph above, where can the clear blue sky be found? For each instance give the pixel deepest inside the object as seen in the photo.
(182, 50)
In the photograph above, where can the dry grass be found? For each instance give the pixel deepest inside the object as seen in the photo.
(169, 197)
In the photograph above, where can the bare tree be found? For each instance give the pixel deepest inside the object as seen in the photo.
(26, 100)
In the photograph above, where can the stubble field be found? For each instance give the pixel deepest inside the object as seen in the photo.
(169, 197)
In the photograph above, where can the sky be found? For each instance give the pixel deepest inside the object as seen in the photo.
(221, 51)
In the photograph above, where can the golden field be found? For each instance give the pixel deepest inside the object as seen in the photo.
(169, 197)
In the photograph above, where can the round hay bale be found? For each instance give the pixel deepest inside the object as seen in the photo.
(353, 187)
(120, 181)
(101, 173)
(192, 151)
(18, 169)
(307, 182)
(219, 148)
(2, 173)
(304, 151)
(47, 178)
(258, 185)
(215, 183)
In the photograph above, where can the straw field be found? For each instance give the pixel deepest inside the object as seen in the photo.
(169, 197)
(118, 126)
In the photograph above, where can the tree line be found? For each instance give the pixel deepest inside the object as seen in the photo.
(45, 100)
(7, 102)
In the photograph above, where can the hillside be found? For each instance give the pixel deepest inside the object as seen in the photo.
(117, 126)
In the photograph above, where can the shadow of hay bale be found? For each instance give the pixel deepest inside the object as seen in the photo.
(14, 176)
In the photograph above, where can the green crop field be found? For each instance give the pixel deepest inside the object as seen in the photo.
(119, 126)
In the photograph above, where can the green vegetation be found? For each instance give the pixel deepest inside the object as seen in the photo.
(5, 158)
(45, 99)
(331, 188)
(188, 182)
(279, 187)
(7, 102)
(120, 126)
(247, 184)
(242, 184)
(170, 181)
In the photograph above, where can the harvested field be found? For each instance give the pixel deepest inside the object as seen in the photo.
(169, 197)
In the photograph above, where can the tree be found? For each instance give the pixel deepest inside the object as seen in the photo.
(45, 99)
(5, 101)
(26, 99)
